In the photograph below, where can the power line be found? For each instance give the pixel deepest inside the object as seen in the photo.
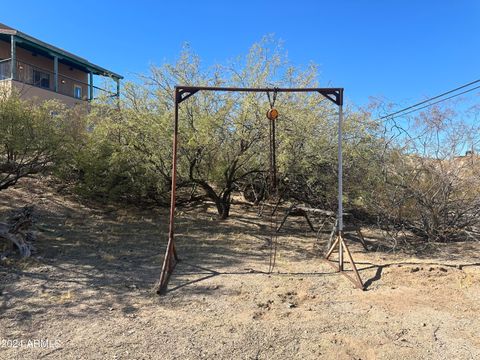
(391, 115)
(439, 101)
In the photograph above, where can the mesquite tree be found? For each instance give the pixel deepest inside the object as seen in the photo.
(32, 137)
(223, 136)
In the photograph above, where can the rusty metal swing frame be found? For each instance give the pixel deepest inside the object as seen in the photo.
(182, 93)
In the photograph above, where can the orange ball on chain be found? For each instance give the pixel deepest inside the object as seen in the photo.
(272, 114)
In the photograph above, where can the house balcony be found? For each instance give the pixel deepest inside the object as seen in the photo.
(26, 75)
(37, 70)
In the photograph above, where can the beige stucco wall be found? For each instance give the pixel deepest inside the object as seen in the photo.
(36, 94)
(68, 76)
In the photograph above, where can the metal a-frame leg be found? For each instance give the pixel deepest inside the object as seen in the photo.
(287, 214)
(357, 229)
(341, 247)
(305, 215)
(362, 239)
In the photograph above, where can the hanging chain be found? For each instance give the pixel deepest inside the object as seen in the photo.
(273, 182)
(272, 100)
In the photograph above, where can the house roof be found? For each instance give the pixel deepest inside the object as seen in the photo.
(53, 50)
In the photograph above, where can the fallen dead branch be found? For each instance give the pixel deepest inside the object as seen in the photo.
(18, 231)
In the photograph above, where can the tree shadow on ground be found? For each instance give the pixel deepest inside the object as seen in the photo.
(112, 259)
(92, 260)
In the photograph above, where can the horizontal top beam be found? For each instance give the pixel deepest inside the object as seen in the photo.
(259, 89)
(333, 94)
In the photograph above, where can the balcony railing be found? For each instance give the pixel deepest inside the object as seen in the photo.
(5, 69)
(45, 79)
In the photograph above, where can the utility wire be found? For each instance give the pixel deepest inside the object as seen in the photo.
(391, 116)
(439, 101)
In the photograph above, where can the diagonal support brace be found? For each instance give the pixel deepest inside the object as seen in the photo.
(183, 94)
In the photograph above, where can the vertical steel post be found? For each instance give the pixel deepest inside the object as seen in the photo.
(168, 260)
(340, 170)
(340, 187)
(173, 195)
(13, 57)
(55, 73)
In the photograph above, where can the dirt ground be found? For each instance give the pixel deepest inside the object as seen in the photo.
(87, 292)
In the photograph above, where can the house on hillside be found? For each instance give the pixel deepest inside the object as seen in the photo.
(37, 70)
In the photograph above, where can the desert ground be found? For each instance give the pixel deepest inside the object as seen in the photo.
(87, 292)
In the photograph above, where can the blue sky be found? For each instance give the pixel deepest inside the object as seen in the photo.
(403, 51)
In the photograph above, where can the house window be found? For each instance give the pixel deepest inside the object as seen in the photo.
(77, 91)
(41, 79)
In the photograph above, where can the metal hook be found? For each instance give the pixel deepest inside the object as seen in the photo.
(272, 100)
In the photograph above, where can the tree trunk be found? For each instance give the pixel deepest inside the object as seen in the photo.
(222, 202)
(223, 208)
